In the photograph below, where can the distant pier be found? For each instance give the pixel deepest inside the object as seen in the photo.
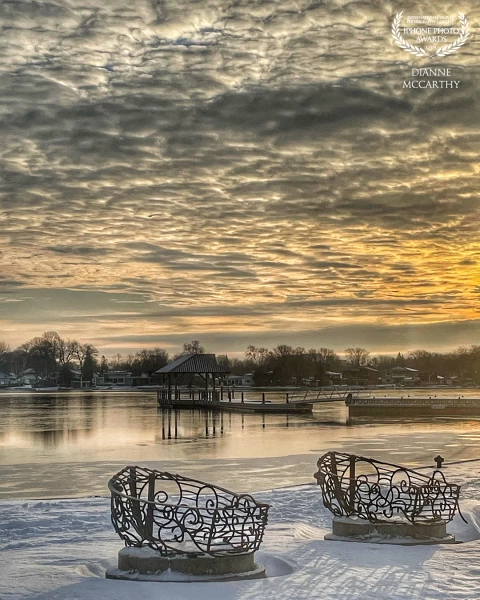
(435, 406)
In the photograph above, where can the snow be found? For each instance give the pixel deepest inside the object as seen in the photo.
(59, 550)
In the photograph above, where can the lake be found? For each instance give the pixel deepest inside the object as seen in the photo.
(69, 444)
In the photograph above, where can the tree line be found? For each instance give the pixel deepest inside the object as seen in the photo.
(282, 365)
(47, 354)
(54, 358)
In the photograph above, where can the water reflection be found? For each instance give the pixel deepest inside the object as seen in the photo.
(194, 424)
(98, 429)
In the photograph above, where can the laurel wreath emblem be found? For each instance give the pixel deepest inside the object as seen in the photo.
(417, 51)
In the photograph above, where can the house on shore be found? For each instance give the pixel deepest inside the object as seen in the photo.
(334, 378)
(361, 376)
(28, 377)
(120, 378)
(7, 379)
(238, 380)
(403, 376)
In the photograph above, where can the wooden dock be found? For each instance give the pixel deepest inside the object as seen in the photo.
(215, 401)
(435, 406)
(236, 406)
(267, 407)
(296, 401)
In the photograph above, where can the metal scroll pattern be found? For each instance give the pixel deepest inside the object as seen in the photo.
(376, 491)
(192, 517)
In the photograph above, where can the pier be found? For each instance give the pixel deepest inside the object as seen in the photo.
(226, 399)
(435, 406)
(210, 401)
(213, 396)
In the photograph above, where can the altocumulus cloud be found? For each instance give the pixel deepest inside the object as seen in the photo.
(248, 173)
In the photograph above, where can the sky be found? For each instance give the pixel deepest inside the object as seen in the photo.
(248, 172)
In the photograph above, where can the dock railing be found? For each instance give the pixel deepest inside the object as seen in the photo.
(166, 397)
(312, 395)
(215, 398)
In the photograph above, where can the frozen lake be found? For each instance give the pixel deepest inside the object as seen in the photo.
(69, 444)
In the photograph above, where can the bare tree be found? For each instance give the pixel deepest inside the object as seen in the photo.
(258, 355)
(116, 362)
(357, 357)
(4, 356)
(193, 347)
(149, 361)
(423, 360)
(81, 351)
(327, 356)
(283, 350)
(18, 361)
(43, 351)
(66, 350)
(223, 362)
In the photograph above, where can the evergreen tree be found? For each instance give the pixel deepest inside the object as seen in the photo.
(65, 378)
(88, 368)
(103, 365)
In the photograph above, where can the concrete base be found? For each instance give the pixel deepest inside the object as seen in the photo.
(145, 564)
(403, 533)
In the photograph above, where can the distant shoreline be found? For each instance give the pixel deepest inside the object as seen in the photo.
(272, 389)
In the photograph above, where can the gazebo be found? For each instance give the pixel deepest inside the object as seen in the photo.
(204, 365)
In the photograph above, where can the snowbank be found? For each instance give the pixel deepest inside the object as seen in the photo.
(59, 550)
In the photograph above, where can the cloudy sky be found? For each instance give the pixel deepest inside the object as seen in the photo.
(235, 171)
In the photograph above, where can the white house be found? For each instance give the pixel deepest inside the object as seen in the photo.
(114, 378)
(28, 377)
(7, 379)
(238, 380)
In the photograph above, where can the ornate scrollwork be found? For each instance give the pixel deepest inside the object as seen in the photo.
(196, 518)
(384, 492)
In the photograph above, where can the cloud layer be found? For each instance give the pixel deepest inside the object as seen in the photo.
(245, 172)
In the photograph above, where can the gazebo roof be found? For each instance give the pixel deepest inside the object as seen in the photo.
(193, 363)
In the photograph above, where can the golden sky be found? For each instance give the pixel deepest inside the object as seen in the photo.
(239, 173)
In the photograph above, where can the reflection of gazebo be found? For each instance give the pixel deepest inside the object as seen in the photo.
(204, 365)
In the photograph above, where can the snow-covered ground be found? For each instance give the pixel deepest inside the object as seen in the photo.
(59, 550)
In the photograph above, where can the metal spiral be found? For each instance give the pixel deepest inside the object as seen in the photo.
(191, 517)
(377, 491)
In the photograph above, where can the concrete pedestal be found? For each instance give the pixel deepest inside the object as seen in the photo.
(145, 564)
(404, 533)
